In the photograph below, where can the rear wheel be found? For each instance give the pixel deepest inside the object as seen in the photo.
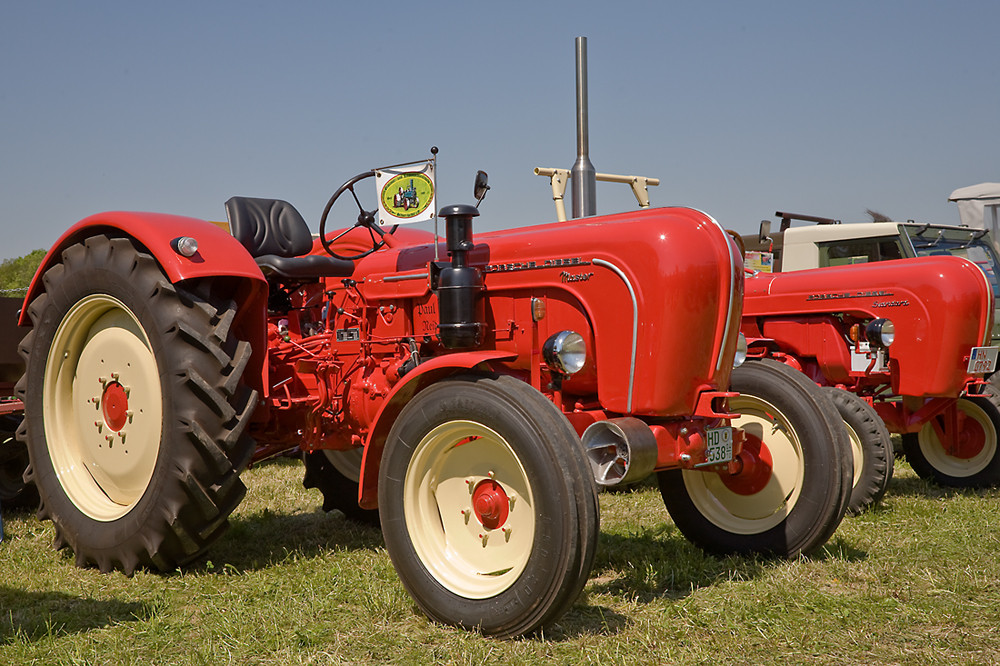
(795, 479)
(336, 475)
(134, 407)
(959, 448)
(489, 512)
(871, 446)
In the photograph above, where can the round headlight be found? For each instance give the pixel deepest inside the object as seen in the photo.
(880, 332)
(565, 352)
(741, 351)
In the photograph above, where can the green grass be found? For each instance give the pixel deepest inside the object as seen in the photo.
(916, 581)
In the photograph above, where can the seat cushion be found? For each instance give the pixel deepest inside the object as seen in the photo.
(268, 226)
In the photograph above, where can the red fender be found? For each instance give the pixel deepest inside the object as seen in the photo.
(423, 375)
(219, 254)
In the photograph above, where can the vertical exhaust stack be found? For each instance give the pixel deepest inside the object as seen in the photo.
(584, 176)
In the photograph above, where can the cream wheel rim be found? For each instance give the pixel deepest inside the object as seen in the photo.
(858, 451)
(102, 406)
(469, 509)
(936, 455)
(753, 514)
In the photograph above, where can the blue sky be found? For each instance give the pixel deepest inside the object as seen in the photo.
(740, 108)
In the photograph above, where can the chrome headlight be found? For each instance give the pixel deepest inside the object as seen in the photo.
(565, 352)
(741, 351)
(880, 332)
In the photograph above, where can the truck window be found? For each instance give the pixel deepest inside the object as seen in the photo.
(859, 251)
(965, 244)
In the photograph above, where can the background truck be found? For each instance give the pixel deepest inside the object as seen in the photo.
(979, 208)
(914, 338)
(474, 392)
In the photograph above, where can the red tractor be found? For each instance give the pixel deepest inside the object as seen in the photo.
(904, 343)
(470, 395)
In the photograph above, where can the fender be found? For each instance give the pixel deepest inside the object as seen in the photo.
(219, 254)
(424, 374)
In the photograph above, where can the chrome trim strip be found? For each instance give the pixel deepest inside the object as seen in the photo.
(732, 287)
(400, 278)
(635, 324)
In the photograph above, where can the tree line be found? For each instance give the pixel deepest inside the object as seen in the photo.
(16, 274)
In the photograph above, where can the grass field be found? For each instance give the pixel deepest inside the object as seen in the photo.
(916, 581)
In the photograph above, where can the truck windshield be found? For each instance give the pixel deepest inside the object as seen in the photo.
(971, 244)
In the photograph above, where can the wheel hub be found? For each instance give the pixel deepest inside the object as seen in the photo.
(490, 503)
(756, 466)
(114, 404)
(969, 440)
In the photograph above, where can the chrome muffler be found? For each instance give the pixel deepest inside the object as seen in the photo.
(620, 451)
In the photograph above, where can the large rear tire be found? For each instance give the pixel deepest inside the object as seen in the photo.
(489, 511)
(336, 475)
(871, 445)
(796, 475)
(972, 459)
(134, 408)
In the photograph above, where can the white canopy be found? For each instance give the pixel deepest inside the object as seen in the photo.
(978, 206)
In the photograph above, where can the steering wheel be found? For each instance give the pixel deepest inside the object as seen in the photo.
(366, 218)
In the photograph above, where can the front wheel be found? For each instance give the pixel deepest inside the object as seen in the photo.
(871, 446)
(795, 477)
(489, 512)
(959, 448)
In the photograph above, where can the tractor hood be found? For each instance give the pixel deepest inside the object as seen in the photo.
(656, 294)
(941, 307)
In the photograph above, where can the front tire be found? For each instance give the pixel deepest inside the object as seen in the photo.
(134, 408)
(795, 482)
(489, 512)
(871, 446)
(972, 457)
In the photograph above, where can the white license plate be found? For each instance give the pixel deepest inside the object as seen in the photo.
(719, 447)
(983, 359)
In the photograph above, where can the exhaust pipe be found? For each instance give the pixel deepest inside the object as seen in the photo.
(584, 176)
(620, 451)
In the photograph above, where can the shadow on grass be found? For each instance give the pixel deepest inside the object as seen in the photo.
(659, 562)
(31, 616)
(914, 486)
(263, 539)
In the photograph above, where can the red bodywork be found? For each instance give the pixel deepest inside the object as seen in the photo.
(656, 294)
(941, 307)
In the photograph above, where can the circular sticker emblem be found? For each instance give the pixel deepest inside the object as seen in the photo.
(407, 194)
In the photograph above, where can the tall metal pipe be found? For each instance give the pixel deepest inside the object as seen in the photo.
(584, 176)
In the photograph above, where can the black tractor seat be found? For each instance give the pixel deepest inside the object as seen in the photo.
(278, 239)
